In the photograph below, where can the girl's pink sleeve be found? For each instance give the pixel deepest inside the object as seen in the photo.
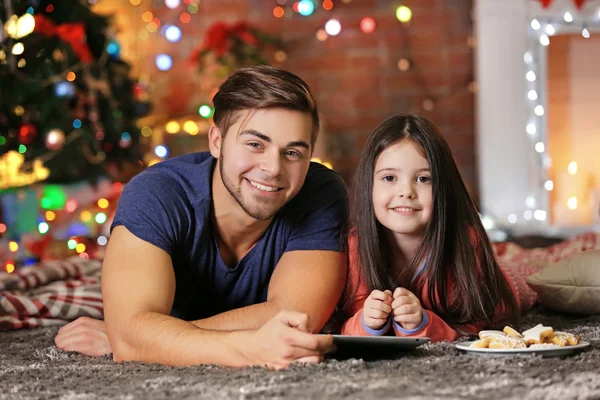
(435, 328)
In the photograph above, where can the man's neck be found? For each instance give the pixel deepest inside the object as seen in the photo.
(236, 232)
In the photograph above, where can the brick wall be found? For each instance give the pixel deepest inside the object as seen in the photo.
(354, 75)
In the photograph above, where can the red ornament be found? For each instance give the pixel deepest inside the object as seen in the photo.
(579, 3)
(73, 33)
(27, 133)
(545, 3)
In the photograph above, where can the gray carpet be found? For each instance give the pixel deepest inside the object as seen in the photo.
(32, 368)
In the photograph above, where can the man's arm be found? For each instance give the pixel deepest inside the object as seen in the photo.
(308, 281)
(138, 286)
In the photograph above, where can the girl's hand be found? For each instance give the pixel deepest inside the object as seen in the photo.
(407, 309)
(377, 308)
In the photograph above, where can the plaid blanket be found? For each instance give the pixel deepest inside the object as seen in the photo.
(50, 293)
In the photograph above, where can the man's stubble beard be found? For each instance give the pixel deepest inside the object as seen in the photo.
(236, 193)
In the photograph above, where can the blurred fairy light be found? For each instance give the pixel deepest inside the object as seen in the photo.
(333, 27)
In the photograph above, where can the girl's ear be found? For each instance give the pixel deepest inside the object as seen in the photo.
(215, 141)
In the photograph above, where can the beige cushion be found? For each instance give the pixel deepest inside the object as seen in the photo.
(571, 285)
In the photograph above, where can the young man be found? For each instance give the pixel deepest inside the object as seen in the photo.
(227, 240)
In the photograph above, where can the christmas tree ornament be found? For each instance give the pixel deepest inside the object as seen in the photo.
(55, 139)
(27, 133)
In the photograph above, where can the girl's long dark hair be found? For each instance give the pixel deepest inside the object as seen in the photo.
(451, 239)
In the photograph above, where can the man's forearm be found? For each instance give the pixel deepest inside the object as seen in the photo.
(158, 338)
(246, 318)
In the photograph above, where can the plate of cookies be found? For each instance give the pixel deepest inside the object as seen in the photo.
(541, 340)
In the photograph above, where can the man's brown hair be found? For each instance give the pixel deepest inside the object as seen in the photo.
(263, 86)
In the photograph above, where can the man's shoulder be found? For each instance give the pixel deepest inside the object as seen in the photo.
(187, 175)
(323, 189)
(320, 177)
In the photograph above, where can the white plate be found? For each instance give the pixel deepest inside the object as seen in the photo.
(549, 351)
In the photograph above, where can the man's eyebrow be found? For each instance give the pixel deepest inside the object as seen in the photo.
(259, 135)
(297, 143)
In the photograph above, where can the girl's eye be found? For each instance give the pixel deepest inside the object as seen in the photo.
(389, 178)
(423, 179)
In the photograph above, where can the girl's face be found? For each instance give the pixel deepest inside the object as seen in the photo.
(402, 197)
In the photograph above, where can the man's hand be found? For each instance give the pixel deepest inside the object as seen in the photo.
(85, 335)
(377, 308)
(285, 339)
(407, 309)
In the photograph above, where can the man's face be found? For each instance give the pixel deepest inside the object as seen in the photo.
(264, 158)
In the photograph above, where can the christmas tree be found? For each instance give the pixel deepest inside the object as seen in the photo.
(68, 106)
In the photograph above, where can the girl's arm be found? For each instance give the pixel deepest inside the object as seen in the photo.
(355, 326)
(435, 328)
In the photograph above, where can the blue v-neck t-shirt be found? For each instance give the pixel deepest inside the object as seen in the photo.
(169, 205)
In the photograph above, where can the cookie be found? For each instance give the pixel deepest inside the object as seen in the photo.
(491, 334)
(481, 343)
(545, 346)
(562, 339)
(537, 334)
(512, 332)
(507, 342)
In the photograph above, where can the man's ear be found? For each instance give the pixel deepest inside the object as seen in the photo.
(215, 141)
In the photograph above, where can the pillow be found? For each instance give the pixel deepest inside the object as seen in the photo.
(571, 285)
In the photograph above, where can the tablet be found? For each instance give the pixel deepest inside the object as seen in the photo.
(374, 347)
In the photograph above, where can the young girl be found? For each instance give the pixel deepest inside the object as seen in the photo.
(420, 261)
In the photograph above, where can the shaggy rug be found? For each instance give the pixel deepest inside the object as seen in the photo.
(32, 368)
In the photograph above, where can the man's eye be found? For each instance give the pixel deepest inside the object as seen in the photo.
(292, 153)
(254, 145)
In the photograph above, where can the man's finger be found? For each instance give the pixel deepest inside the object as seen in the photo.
(309, 360)
(294, 319)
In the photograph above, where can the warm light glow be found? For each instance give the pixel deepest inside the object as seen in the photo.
(322, 35)
(572, 168)
(18, 49)
(71, 205)
(71, 76)
(12, 175)
(278, 12)
(404, 14)
(191, 127)
(80, 248)
(103, 203)
(147, 16)
(172, 127)
(13, 246)
(572, 203)
(86, 216)
(10, 267)
(50, 216)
